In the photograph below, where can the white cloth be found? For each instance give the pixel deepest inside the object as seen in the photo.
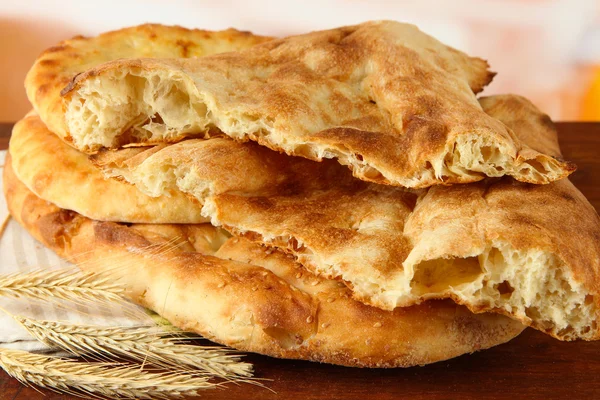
(19, 252)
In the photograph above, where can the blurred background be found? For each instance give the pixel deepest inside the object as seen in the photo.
(547, 50)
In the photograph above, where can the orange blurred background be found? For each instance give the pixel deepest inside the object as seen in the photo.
(547, 50)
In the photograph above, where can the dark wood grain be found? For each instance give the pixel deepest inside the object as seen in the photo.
(5, 130)
(532, 366)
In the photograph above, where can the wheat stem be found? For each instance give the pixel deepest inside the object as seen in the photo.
(150, 344)
(191, 366)
(98, 379)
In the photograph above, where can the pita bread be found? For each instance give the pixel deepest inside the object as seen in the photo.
(56, 66)
(62, 175)
(237, 293)
(393, 104)
(528, 251)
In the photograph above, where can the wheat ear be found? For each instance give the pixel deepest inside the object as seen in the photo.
(151, 345)
(98, 379)
(63, 284)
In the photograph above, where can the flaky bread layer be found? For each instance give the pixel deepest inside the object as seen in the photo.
(379, 239)
(250, 297)
(57, 65)
(157, 104)
(532, 286)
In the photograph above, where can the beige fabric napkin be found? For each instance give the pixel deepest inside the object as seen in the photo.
(19, 252)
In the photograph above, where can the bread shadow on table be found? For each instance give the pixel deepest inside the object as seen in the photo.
(526, 365)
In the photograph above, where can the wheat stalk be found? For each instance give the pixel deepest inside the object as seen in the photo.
(156, 346)
(98, 379)
(149, 344)
(63, 284)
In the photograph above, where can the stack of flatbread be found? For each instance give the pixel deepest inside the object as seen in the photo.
(342, 196)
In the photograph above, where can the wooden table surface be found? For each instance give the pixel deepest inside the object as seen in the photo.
(532, 366)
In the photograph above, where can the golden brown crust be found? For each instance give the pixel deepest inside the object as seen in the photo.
(555, 219)
(373, 237)
(56, 66)
(395, 105)
(252, 298)
(533, 128)
(62, 175)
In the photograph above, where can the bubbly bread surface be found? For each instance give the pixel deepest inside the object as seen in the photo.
(527, 251)
(390, 102)
(58, 173)
(57, 66)
(235, 292)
